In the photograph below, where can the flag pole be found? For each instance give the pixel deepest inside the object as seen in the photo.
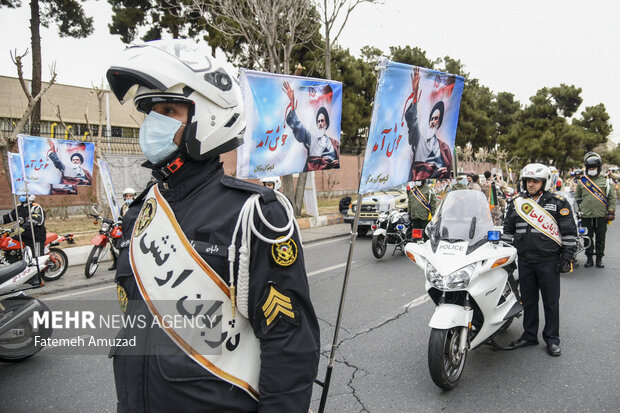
(382, 65)
(330, 365)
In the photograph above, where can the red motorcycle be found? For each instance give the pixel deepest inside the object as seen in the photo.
(57, 265)
(108, 238)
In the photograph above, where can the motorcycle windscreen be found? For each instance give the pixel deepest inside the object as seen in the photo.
(463, 216)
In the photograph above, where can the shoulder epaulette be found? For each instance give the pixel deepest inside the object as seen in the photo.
(267, 194)
(560, 197)
(142, 195)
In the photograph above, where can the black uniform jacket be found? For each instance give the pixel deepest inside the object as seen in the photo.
(531, 244)
(206, 204)
(38, 221)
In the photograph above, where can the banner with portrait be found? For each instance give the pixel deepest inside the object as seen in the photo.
(293, 125)
(413, 126)
(106, 179)
(18, 183)
(57, 162)
(18, 186)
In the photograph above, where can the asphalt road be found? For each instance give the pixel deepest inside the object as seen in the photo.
(382, 357)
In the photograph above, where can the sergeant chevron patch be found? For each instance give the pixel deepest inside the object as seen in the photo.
(276, 305)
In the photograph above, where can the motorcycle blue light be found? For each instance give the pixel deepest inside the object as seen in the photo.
(493, 235)
(582, 230)
(400, 227)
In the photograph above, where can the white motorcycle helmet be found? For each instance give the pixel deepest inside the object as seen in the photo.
(180, 70)
(536, 171)
(275, 180)
(129, 190)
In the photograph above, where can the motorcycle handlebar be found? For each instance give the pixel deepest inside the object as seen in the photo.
(509, 239)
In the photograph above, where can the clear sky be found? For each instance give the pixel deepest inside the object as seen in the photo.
(513, 46)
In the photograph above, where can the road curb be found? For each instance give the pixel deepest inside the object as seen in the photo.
(79, 255)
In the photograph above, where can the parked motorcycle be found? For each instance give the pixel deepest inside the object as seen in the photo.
(470, 279)
(390, 229)
(583, 241)
(107, 238)
(11, 251)
(58, 263)
(19, 338)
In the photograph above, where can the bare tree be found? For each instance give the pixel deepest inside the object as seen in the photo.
(99, 92)
(269, 28)
(62, 122)
(6, 144)
(334, 16)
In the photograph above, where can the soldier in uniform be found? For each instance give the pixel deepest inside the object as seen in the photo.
(544, 234)
(193, 235)
(421, 204)
(597, 202)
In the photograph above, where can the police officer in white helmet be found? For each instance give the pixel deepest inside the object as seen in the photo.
(193, 238)
(273, 182)
(544, 235)
(129, 194)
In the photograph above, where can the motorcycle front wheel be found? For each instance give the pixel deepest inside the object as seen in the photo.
(94, 258)
(444, 361)
(379, 245)
(18, 343)
(57, 265)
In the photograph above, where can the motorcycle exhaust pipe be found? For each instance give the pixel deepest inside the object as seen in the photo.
(23, 314)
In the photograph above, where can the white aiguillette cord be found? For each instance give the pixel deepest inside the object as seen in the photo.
(246, 223)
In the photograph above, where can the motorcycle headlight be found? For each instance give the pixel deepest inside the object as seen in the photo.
(457, 280)
(105, 227)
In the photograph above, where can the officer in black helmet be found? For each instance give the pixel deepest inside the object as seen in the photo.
(224, 252)
(597, 202)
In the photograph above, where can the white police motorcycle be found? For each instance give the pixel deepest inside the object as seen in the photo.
(18, 335)
(390, 229)
(470, 279)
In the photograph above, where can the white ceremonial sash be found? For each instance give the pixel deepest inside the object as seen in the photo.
(538, 217)
(177, 284)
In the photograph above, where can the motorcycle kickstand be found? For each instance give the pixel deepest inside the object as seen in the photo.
(496, 346)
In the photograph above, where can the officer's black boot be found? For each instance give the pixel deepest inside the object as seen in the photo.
(599, 262)
(590, 262)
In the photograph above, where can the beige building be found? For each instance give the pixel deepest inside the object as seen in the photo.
(72, 112)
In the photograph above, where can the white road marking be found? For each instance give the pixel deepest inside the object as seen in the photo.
(79, 292)
(333, 267)
(326, 242)
(418, 301)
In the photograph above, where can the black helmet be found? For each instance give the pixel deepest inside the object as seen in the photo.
(593, 160)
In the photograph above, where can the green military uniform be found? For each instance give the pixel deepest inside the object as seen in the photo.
(595, 214)
(418, 213)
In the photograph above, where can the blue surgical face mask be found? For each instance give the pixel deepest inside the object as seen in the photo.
(156, 136)
(128, 201)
